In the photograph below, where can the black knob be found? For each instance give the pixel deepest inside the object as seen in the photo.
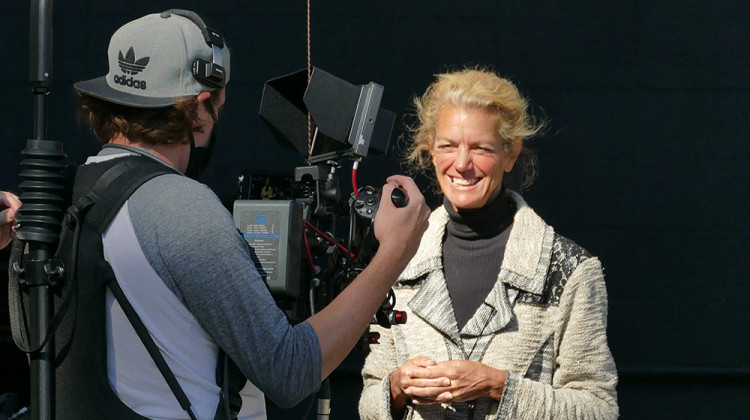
(399, 197)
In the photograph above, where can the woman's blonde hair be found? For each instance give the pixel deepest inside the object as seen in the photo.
(475, 88)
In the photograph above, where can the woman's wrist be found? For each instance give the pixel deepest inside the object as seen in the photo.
(399, 399)
(499, 377)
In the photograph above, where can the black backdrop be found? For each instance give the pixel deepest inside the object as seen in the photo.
(644, 163)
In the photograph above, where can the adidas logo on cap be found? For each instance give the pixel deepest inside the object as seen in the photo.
(129, 65)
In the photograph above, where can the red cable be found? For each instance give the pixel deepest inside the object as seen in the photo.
(355, 165)
(307, 250)
(328, 238)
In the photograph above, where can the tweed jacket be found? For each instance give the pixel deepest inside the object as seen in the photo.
(544, 323)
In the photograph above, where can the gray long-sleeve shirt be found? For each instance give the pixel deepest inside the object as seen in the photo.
(187, 271)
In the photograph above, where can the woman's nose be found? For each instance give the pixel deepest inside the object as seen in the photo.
(463, 159)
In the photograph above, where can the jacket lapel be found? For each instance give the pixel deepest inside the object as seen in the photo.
(432, 303)
(525, 263)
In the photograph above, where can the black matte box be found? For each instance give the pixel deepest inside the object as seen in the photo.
(332, 104)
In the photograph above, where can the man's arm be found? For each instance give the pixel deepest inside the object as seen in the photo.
(398, 231)
(203, 260)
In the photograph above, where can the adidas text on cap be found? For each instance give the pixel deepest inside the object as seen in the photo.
(151, 60)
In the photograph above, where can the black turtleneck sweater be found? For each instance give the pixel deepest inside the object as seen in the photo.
(473, 251)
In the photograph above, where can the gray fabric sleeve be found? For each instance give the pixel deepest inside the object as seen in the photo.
(191, 242)
(585, 377)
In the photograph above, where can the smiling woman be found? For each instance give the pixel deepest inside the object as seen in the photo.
(477, 92)
(469, 157)
(507, 319)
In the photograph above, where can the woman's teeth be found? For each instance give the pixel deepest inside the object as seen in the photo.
(464, 182)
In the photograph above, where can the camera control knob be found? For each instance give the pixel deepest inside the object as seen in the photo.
(399, 197)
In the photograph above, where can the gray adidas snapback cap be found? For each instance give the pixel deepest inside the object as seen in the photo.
(150, 62)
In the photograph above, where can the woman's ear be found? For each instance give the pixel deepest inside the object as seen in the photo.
(514, 150)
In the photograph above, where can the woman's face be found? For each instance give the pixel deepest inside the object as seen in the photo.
(468, 156)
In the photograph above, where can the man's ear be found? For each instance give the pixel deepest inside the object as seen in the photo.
(203, 96)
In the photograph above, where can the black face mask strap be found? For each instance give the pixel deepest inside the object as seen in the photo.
(191, 169)
(199, 156)
(215, 118)
(192, 141)
(212, 112)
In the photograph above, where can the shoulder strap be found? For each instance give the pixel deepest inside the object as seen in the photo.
(111, 191)
(96, 208)
(115, 187)
(151, 347)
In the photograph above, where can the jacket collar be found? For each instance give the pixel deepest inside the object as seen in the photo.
(524, 268)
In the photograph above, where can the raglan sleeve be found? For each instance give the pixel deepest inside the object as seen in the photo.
(585, 377)
(202, 257)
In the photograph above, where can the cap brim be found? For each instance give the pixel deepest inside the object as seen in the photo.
(98, 88)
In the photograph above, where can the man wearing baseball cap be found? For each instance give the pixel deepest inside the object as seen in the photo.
(177, 257)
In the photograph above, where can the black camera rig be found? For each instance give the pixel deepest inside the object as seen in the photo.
(309, 242)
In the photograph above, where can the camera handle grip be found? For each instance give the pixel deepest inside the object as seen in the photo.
(399, 197)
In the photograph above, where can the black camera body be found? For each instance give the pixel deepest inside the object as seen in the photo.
(307, 242)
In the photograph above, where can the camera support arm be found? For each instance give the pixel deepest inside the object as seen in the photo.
(327, 191)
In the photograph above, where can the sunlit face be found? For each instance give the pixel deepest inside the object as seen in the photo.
(468, 156)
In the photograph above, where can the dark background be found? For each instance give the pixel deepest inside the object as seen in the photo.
(644, 162)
